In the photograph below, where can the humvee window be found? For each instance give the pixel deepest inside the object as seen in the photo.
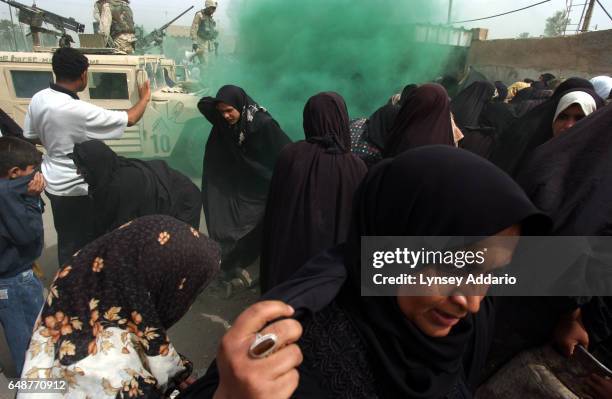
(28, 83)
(108, 86)
(181, 74)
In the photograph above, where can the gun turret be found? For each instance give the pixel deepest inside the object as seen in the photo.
(156, 38)
(35, 17)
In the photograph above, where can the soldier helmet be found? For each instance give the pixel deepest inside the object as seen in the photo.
(210, 3)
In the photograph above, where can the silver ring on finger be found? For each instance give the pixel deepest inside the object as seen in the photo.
(263, 345)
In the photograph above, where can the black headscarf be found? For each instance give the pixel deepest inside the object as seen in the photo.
(534, 128)
(238, 165)
(311, 194)
(494, 119)
(547, 77)
(469, 103)
(527, 99)
(572, 83)
(8, 127)
(427, 191)
(424, 119)
(502, 91)
(380, 123)
(378, 126)
(116, 299)
(124, 189)
(326, 122)
(406, 93)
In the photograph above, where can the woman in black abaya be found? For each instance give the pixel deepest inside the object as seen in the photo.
(241, 152)
(569, 177)
(519, 140)
(311, 195)
(369, 136)
(424, 119)
(356, 346)
(124, 189)
(469, 107)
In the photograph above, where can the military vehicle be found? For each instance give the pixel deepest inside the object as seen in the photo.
(172, 125)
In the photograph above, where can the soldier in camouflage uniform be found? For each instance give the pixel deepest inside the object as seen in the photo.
(97, 12)
(117, 24)
(204, 33)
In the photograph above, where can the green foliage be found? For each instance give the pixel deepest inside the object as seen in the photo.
(556, 25)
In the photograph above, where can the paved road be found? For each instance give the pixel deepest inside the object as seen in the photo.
(195, 336)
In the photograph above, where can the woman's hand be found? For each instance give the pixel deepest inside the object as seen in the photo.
(571, 332)
(276, 376)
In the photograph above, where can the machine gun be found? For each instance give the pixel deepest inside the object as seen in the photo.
(35, 17)
(156, 38)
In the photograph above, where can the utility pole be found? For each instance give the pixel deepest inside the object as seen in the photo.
(587, 16)
(450, 11)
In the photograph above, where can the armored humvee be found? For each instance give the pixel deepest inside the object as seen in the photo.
(171, 126)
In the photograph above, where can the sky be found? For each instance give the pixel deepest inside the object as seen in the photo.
(153, 13)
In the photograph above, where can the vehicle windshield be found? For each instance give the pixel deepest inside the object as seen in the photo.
(155, 71)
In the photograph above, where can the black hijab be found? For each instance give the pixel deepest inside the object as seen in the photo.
(8, 127)
(517, 143)
(326, 122)
(423, 119)
(124, 189)
(571, 84)
(406, 93)
(469, 103)
(311, 194)
(379, 124)
(502, 91)
(131, 285)
(425, 191)
(527, 99)
(238, 165)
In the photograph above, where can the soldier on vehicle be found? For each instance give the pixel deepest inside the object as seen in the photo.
(204, 33)
(97, 12)
(117, 24)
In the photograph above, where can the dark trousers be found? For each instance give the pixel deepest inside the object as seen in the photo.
(74, 223)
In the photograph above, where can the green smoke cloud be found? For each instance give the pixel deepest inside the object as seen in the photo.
(289, 50)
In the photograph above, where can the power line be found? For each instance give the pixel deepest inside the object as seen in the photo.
(504, 13)
(604, 8)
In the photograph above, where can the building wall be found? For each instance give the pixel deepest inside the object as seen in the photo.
(585, 55)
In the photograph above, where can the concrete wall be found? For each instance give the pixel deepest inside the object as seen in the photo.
(509, 60)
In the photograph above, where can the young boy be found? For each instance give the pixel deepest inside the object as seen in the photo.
(21, 243)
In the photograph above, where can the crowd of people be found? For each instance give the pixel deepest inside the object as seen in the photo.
(478, 160)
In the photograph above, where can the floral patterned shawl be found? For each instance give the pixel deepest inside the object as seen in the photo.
(103, 327)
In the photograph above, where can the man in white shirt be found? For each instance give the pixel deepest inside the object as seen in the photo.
(58, 120)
